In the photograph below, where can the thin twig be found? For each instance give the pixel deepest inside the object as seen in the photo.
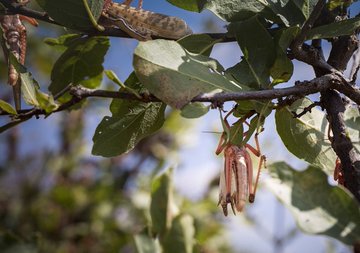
(306, 110)
(300, 39)
(16, 8)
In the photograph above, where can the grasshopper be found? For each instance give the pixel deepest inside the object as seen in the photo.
(14, 42)
(237, 176)
(143, 25)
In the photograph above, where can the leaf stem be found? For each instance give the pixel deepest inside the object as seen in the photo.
(92, 18)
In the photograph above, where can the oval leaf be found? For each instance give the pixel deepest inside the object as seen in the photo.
(352, 121)
(161, 198)
(199, 43)
(317, 207)
(176, 76)
(145, 244)
(306, 137)
(180, 238)
(341, 28)
(6, 107)
(194, 110)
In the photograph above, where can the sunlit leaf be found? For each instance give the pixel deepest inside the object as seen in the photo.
(180, 238)
(29, 85)
(333, 4)
(46, 101)
(198, 43)
(352, 121)
(277, 11)
(317, 207)
(341, 28)
(145, 244)
(233, 11)
(161, 203)
(30, 89)
(306, 137)
(194, 110)
(6, 107)
(176, 76)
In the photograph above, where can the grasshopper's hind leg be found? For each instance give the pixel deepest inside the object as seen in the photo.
(128, 2)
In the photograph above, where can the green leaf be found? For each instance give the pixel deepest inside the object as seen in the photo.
(113, 77)
(233, 11)
(306, 137)
(190, 5)
(194, 110)
(130, 122)
(81, 61)
(176, 76)
(145, 244)
(341, 28)
(282, 69)
(237, 134)
(72, 14)
(120, 133)
(198, 43)
(317, 207)
(46, 101)
(259, 53)
(305, 6)
(281, 13)
(93, 82)
(29, 85)
(161, 203)
(352, 121)
(63, 41)
(30, 89)
(6, 107)
(180, 238)
(333, 4)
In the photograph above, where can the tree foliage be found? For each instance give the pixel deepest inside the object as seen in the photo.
(181, 75)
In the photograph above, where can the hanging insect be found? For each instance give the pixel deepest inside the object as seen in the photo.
(14, 42)
(237, 176)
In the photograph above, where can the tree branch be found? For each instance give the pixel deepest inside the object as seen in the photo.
(16, 8)
(300, 89)
(306, 53)
(341, 52)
